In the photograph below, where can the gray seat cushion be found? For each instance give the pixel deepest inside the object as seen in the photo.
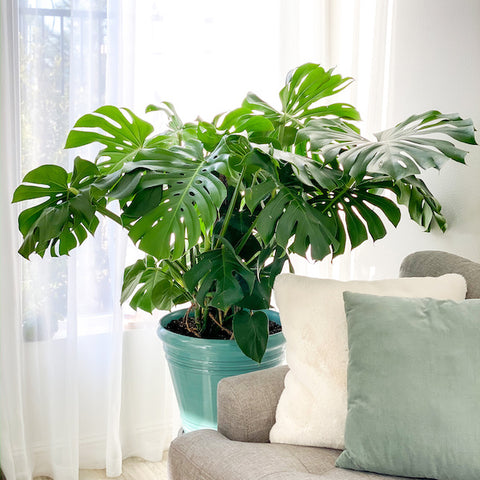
(208, 455)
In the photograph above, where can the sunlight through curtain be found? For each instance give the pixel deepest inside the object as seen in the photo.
(78, 388)
(82, 383)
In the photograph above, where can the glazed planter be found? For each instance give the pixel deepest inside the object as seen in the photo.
(197, 365)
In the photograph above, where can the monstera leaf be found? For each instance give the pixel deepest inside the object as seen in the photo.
(190, 198)
(219, 274)
(360, 217)
(177, 131)
(310, 172)
(308, 84)
(423, 207)
(398, 152)
(305, 88)
(63, 220)
(121, 132)
(152, 286)
(288, 215)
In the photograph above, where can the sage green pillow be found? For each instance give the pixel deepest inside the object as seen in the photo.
(413, 387)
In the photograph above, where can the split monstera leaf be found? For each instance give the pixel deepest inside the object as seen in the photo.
(219, 207)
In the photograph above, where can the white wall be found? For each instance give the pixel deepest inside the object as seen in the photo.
(435, 64)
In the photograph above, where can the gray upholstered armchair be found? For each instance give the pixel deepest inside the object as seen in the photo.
(239, 450)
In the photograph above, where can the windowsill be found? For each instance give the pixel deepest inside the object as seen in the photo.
(88, 326)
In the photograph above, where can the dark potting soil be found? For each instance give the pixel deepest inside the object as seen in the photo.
(178, 326)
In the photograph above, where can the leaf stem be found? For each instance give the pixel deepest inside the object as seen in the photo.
(229, 213)
(344, 190)
(176, 271)
(113, 216)
(254, 257)
(245, 237)
(214, 320)
(247, 234)
(176, 268)
(206, 242)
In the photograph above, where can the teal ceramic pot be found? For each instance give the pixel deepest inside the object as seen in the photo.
(197, 365)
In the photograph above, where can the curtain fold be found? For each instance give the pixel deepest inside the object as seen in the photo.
(65, 401)
(14, 465)
(356, 40)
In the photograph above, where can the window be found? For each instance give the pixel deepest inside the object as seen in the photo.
(62, 50)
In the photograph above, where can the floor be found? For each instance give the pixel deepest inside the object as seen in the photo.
(133, 469)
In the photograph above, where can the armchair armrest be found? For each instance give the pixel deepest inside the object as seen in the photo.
(434, 263)
(247, 404)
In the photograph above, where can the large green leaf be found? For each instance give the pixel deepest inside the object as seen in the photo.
(60, 222)
(355, 209)
(423, 207)
(121, 132)
(308, 84)
(304, 88)
(177, 131)
(251, 333)
(292, 222)
(218, 276)
(191, 195)
(398, 152)
(301, 99)
(310, 172)
(152, 286)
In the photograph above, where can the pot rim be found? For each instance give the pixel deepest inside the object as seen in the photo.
(165, 334)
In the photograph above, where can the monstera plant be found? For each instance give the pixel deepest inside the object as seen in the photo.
(217, 207)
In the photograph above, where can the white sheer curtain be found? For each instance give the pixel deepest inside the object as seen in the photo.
(12, 410)
(407, 57)
(82, 387)
(356, 38)
(79, 389)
